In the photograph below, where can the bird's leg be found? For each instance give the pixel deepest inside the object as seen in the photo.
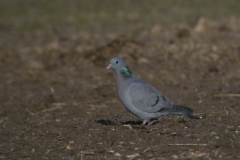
(150, 123)
(145, 121)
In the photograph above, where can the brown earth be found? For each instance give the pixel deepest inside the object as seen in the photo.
(58, 100)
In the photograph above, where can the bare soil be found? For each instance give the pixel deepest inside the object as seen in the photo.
(58, 100)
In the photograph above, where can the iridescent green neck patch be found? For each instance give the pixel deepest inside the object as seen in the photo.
(126, 71)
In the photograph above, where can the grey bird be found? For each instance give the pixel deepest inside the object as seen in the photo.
(142, 99)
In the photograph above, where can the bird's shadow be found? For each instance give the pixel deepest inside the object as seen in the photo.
(108, 122)
(132, 122)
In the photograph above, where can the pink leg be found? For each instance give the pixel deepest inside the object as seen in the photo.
(150, 123)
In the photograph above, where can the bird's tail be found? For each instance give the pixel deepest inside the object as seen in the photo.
(184, 111)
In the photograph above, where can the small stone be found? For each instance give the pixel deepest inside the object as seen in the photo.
(111, 151)
(133, 156)
(174, 156)
(201, 25)
(173, 134)
(57, 120)
(117, 154)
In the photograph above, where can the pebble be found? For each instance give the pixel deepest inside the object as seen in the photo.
(117, 154)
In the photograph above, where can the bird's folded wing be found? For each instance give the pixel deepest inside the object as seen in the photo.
(148, 99)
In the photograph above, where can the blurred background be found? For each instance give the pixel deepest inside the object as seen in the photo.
(98, 15)
(58, 100)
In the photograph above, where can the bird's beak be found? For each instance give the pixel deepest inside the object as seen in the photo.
(109, 66)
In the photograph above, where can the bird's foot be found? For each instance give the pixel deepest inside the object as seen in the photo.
(150, 123)
(145, 122)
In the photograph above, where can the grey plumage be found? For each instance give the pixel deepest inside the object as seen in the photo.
(142, 99)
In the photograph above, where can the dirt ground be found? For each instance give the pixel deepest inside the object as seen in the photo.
(58, 100)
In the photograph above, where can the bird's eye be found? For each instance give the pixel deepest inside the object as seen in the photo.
(116, 62)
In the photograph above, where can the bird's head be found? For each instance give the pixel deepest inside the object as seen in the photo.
(119, 65)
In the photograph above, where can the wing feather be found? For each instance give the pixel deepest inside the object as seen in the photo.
(146, 98)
